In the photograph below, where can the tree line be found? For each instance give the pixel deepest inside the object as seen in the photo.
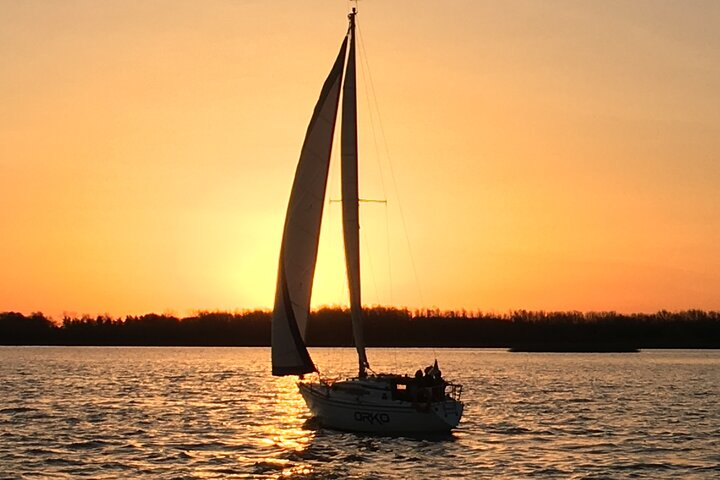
(384, 327)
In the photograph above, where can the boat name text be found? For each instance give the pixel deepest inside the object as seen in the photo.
(372, 418)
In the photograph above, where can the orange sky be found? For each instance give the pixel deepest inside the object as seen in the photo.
(546, 154)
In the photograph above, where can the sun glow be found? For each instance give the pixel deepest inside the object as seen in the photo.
(544, 157)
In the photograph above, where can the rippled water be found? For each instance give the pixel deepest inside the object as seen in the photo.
(218, 413)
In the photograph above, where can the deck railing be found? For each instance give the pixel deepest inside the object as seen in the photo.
(453, 390)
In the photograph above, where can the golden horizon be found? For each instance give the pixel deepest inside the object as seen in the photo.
(546, 155)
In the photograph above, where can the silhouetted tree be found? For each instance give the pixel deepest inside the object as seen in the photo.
(385, 326)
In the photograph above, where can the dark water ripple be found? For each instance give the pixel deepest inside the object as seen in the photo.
(192, 413)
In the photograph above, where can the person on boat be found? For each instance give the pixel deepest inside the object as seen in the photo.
(435, 381)
(433, 373)
(436, 371)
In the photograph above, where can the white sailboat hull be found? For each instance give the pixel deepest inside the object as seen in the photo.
(366, 405)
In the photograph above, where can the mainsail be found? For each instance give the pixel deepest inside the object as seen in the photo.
(350, 201)
(298, 253)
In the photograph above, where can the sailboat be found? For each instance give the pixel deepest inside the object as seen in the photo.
(370, 402)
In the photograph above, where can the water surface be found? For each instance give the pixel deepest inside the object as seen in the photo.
(182, 413)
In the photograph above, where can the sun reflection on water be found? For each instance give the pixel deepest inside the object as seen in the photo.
(285, 434)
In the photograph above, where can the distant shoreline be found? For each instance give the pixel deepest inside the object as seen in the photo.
(573, 348)
(520, 331)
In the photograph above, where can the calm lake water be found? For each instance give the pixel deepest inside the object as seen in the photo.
(202, 413)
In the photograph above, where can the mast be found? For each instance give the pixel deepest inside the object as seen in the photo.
(350, 200)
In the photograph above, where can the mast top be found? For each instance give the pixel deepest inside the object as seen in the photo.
(351, 16)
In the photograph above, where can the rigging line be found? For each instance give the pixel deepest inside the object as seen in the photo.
(365, 66)
(364, 63)
(392, 171)
(371, 112)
